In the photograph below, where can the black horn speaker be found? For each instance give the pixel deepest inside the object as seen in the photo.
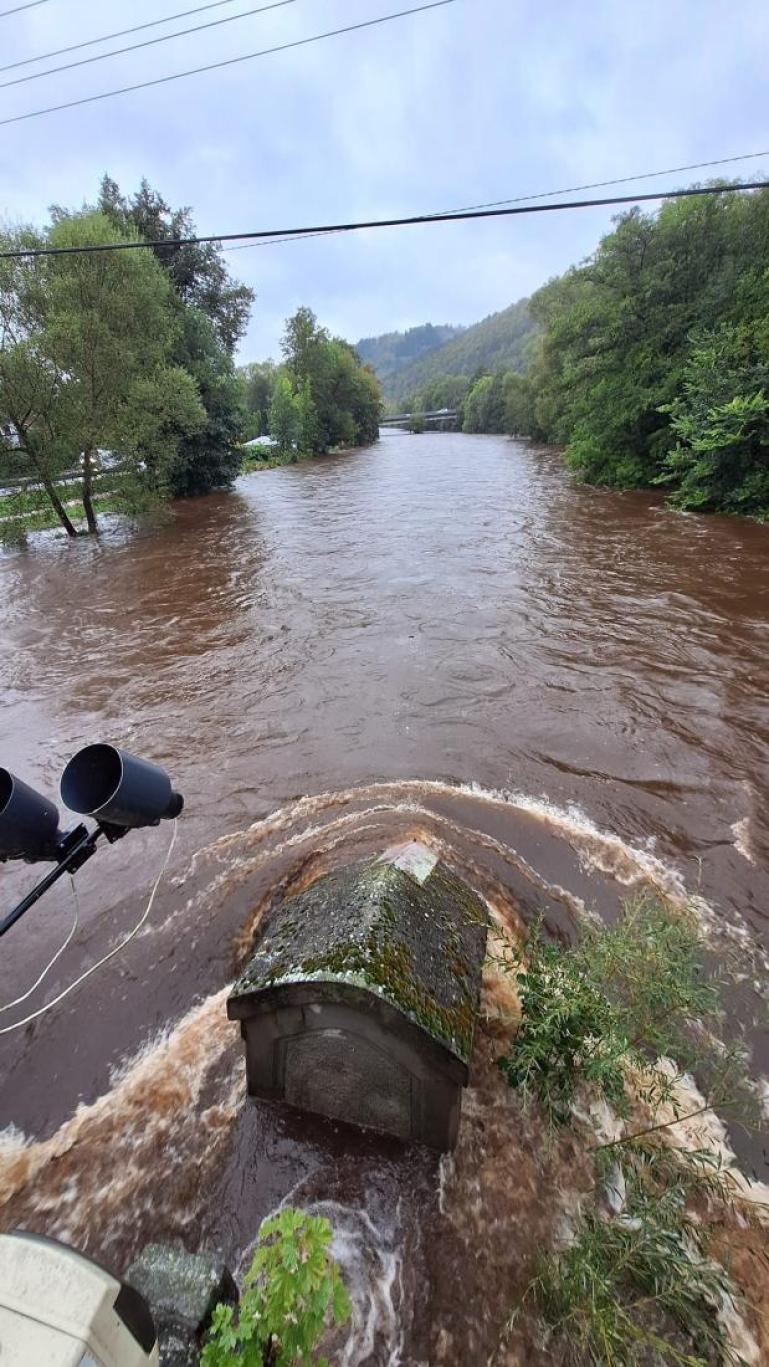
(29, 823)
(119, 789)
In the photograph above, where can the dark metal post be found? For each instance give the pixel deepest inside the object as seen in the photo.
(76, 847)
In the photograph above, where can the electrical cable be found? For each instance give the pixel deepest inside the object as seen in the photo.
(414, 221)
(229, 61)
(619, 180)
(147, 42)
(31, 4)
(118, 949)
(18, 1000)
(119, 33)
(543, 194)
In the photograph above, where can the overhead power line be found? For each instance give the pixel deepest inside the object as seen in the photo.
(147, 42)
(230, 61)
(119, 33)
(619, 180)
(413, 221)
(544, 194)
(31, 4)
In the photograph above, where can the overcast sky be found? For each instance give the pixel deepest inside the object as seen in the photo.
(480, 100)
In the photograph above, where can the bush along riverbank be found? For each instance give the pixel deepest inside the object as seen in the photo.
(662, 1255)
(649, 362)
(653, 365)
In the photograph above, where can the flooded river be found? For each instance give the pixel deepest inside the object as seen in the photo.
(563, 690)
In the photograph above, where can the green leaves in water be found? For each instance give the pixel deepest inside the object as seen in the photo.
(621, 997)
(291, 1293)
(635, 1284)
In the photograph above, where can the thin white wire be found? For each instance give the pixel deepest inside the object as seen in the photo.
(6, 1030)
(9, 1005)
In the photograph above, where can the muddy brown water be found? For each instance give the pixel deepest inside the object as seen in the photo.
(563, 690)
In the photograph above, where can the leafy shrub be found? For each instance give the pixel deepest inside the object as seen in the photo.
(291, 1292)
(635, 1284)
(621, 996)
(568, 1035)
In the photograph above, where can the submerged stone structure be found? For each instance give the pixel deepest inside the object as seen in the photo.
(360, 1001)
(182, 1290)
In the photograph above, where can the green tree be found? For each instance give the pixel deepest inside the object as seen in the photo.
(519, 405)
(86, 364)
(308, 419)
(214, 312)
(163, 412)
(484, 408)
(344, 393)
(259, 380)
(197, 271)
(721, 421)
(285, 417)
(209, 457)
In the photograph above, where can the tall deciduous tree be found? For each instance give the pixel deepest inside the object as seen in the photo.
(285, 417)
(197, 272)
(258, 380)
(86, 364)
(345, 395)
(215, 310)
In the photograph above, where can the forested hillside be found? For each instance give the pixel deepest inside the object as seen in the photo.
(501, 342)
(393, 352)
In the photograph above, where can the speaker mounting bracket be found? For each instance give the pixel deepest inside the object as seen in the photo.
(73, 850)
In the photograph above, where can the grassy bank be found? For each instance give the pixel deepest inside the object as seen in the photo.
(31, 511)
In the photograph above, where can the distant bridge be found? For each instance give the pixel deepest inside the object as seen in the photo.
(441, 417)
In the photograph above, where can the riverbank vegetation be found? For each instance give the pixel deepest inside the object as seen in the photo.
(118, 389)
(320, 398)
(649, 362)
(640, 1275)
(116, 371)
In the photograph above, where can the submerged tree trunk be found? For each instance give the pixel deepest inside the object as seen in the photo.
(30, 447)
(90, 515)
(58, 506)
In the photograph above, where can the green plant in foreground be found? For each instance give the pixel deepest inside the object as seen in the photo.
(632, 1286)
(291, 1292)
(621, 997)
(635, 1285)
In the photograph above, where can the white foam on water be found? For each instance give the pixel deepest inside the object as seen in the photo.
(372, 1267)
(598, 850)
(738, 1336)
(98, 1168)
(700, 1127)
(742, 839)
